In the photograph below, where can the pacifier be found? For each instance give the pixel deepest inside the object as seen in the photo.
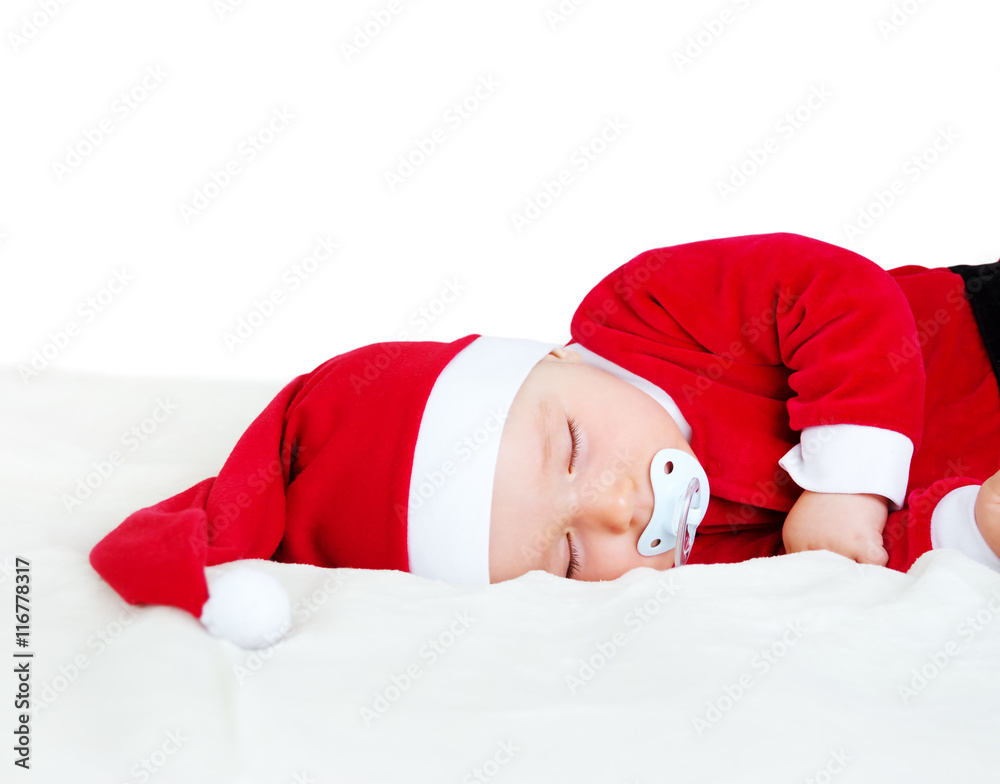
(680, 500)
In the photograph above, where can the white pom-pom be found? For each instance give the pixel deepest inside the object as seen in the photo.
(247, 607)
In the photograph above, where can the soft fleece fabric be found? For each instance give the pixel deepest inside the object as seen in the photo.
(758, 337)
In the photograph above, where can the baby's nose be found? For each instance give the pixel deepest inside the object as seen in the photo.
(610, 504)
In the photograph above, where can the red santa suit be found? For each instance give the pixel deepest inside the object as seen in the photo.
(790, 364)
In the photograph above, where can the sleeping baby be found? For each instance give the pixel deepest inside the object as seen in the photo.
(719, 401)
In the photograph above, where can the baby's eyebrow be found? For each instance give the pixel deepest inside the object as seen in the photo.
(544, 413)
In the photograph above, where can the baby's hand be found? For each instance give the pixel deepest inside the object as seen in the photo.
(847, 523)
(988, 512)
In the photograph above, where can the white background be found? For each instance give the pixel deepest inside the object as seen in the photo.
(62, 238)
(895, 76)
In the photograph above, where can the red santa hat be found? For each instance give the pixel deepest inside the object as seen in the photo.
(380, 458)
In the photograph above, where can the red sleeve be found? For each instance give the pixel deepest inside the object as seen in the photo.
(830, 316)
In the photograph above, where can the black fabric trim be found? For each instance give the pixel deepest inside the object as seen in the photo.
(982, 290)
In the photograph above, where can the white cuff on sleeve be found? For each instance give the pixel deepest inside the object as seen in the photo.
(953, 525)
(851, 459)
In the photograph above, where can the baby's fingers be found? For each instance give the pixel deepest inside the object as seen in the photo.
(873, 553)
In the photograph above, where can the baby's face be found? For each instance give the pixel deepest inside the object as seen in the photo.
(599, 496)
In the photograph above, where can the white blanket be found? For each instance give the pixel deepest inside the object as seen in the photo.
(801, 668)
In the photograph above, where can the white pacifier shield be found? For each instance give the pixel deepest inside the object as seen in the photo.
(669, 490)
